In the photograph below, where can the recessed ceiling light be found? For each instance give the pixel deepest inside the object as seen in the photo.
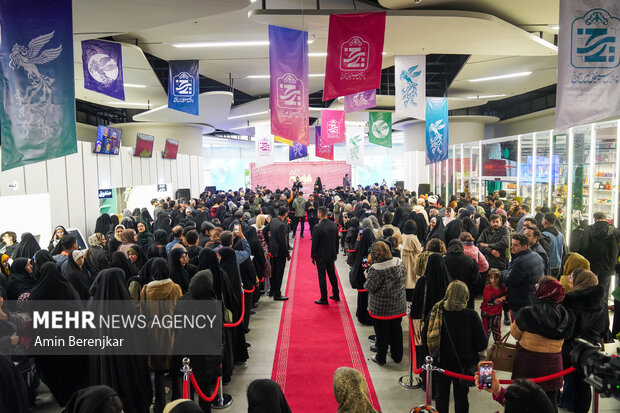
(317, 54)
(248, 115)
(486, 96)
(506, 76)
(225, 44)
(316, 75)
(134, 85)
(128, 103)
(555, 27)
(267, 76)
(252, 1)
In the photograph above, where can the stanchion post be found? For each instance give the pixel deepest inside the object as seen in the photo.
(223, 400)
(595, 402)
(407, 381)
(186, 369)
(429, 379)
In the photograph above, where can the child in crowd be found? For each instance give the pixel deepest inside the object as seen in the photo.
(493, 298)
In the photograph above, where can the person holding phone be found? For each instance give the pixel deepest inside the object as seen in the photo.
(522, 396)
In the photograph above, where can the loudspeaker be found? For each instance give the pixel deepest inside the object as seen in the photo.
(211, 189)
(424, 189)
(183, 193)
(400, 184)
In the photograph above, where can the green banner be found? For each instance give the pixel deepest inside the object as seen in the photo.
(380, 128)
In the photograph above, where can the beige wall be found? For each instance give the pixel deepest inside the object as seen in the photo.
(189, 137)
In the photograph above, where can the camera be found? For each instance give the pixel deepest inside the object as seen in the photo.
(601, 370)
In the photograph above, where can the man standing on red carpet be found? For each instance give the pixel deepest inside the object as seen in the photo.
(324, 253)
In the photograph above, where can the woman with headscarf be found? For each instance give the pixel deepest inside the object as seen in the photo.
(571, 263)
(158, 248)
(469, 226)
(145, 216)
(449, 216)
(540, 330)
(129, 222)
(411, 248)
(434, 245)
(96, 256)
(128, 238)
(482, 223)
(435, 230)
(454, 335)
(357, 275)
(228, 262)
(183, 406)
(119, 260)
(27, 246)
(22, 278)
(59, 232)
(471, 250)
(177, 262)
(5, 270)
(136, 256)
(40, 258)
(127, 374)
(462, 268)
(104, 224)
(421, 226)
(163, 222)
(116, 240)
(64, 375)
(13, 388)
(206, 368)
(145, 238)
(78, 275)
(352, 226)
(351, 391)
(95, 399)
(161, 288)
(266, 396)
(318, 185)
(152, 269)
(452, 230)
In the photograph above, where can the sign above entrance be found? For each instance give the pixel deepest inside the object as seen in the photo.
(105, 194)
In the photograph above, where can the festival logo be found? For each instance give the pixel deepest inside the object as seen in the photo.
(354, 54)
(594, 40)
(103, 68)
(409, 89)
(184, 84)
(333, 128)
(290, 92)
(380, 129)
(264, 146)
(436, 130)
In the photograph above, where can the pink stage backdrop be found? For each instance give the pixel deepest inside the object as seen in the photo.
(282, 174)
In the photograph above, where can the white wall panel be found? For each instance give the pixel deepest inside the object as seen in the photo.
(186, 168)
(57, 183)
(174, 174)
(146, 171)
(127, 170)
(15, 178)
(152, 171)
(116, 171)
(194, 176)
(136, 171)
(167, 171)
(75, 190)
(36, 178)
(103, 166)
(91, 200)
(161, 170)
(178, 163)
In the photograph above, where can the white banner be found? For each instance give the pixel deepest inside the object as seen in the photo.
(264, 150)
(355, 146)
(410, 79)
(588, 62)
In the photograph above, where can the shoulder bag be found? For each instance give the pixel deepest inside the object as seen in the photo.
(502, 354)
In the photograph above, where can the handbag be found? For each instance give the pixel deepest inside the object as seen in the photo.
(418, 323)
(468, 371)
(502, 354)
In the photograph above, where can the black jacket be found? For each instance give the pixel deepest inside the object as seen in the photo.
(325, 241)
(521, 277)
(498, 240)
(464, 268)
(590, 315)
(600, 244)
(278, 244)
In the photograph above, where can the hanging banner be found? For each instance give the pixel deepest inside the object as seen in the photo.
(360, 101)
(354, 53)
(332, 126)
(436, 130)
(36, 63)
(588, 62)
(282, 140)
(264, 150)
(380, 128)
(355, 146)
(321, 150)
(410, 80)
(184, 86)
(288, 84)
(297, 151)
(102, 64)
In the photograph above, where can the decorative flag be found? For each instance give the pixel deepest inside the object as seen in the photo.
(332, 124)
(102, 63)
(380, 128)
(360, 101)
(436, 130)
(297, 151)
(36, 64)
(355, 146)
(322, 151)
(282, 140)
(354, 53)
(288, 84)
(184, 86)
(410, 79)
(588, 62)
(264, 150)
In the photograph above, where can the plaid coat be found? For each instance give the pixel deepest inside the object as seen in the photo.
(385, 284)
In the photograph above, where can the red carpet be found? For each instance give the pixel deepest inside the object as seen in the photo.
(314, 340)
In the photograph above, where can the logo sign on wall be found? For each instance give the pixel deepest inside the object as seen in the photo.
(360, 101)
(288, 68)
(102, 63)
(105, 194)
(380, 128)
(588, 62)
(436, 130)
(410, 73)
(162, 187)
(183, 86)
(332, 127)
(354, 53)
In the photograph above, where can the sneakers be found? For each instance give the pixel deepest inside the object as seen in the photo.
(374, 360)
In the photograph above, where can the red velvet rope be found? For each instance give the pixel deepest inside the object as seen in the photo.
(391, 317)
(240, 318)
(249, 291)
(361, 290)
(200, 393)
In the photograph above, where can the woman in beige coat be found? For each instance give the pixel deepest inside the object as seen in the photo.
(411, 248)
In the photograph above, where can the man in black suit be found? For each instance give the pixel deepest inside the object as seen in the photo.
(324, 253)
(278, 248)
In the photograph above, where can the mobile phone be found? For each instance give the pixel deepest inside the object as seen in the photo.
(361, 232)
(485, 371)
(236, 228)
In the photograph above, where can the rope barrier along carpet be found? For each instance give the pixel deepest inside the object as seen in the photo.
(314, 340)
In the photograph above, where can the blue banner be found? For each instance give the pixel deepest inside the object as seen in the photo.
(102, 63)
(436, 130)
(183, 86)
(297, 151)
(37, 81)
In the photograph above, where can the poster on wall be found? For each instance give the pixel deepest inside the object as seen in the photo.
(144, 145)
(355, 146)
(436, 130)
(102, 64)
(108, 140)
(588, 62)
(170, 149)
(410, 79)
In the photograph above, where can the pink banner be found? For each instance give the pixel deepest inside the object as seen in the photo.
(282, 174)
(332, 127)
(321, 150)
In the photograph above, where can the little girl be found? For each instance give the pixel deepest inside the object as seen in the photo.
(493, 298)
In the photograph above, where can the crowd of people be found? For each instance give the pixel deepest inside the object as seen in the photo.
(408, 254)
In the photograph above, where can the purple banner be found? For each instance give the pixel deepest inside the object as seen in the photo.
(103, 67)
(322, 151)
(288, 70)
(297, 151)
(360, 101)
